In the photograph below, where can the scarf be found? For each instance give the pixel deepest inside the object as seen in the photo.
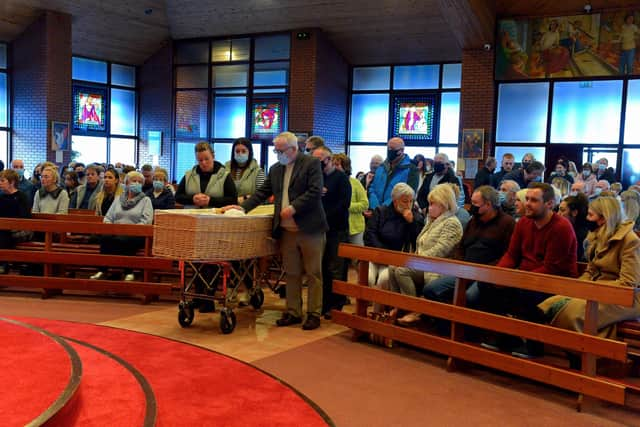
(55, 193)
(127, 203)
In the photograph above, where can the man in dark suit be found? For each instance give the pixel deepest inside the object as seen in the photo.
(485, 175)
(442, 173)
(299, 223)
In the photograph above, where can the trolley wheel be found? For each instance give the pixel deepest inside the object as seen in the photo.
(185, 315)
(257, 299)
(227, 321)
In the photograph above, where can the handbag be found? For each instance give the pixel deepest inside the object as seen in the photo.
(379, 339)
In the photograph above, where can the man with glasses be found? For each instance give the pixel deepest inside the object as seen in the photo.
(299, 222)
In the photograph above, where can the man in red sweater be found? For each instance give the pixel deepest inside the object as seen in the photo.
(542, 242)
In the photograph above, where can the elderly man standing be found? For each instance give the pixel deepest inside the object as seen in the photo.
(397, 168)
(299, 223)
(23, 184)
(442, 173)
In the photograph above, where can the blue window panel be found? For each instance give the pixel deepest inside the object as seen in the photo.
(630, 166)
(270, 90)
(270, 78)
(522, 112)
(272, 47)
(230, 91)
(4, 147)
(449, 118)
(191, 114)
(631, 123)
(369, 117)
(416, 77)
(586, 112)
(518, 153)
(229, 75)
(89, 70)
(185, 158)
(230, 117)
(451, 76)
(89, 149)
(371, 78)
(4, 100)
(123, 112)
(192, 77)
(3, 55)
(192, 53)
(123, 75)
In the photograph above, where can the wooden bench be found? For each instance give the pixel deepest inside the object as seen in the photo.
(55, 254)
(584, 382)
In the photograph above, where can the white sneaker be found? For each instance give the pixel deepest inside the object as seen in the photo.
(129, 277)
(97, 276)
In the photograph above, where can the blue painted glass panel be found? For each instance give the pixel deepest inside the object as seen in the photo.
(272, 47)
(451, 76)
(230, 91)
(416, 77)
(449, 118)
(369, 117)
(270, 90)
(586, 112)
(4, 100)
(192, 52)
(89, 70)
(123, 75)
(123, 112)
(3, 55)
(191, 114)
(371, 78)
(3, 147)
(522, 112)
(185, 158)
(229, 75)
(518, 153)
(630, 166)
(632, 114)
(270, 78)
(192, 77)
(230, 117)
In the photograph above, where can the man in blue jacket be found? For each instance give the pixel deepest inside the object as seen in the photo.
(395, 169)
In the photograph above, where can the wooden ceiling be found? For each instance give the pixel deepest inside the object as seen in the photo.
(365, 32)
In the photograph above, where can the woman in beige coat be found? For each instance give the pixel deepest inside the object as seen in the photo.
(613, 256)
(439, 237)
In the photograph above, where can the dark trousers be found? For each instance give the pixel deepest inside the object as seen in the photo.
(520, 303)
(120, 245)
(333, 267)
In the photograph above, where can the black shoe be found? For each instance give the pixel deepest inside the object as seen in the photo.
(327, 315)
(505, 343)
(312, 322)
(530, 350)
(287, 320)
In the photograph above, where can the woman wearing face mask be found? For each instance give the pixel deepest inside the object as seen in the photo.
(208, 184)
(574, 208)
(245, 172)
(588, 178)
(613, 256)
(111, 190)
(132, 207)
(160, 195)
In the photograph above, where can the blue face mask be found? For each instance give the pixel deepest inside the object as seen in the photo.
(283, 159)
(135, 188)
(502, 197)
(537, 179)
(241, 158)
(158, 185)
(602, 166)
(20, 172)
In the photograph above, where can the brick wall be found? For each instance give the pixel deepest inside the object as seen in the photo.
(155, 82)
(41, 86)
(477, 94)
(302, 83)
(332, 93)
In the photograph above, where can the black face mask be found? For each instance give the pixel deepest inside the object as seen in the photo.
(591, 225)
(438, 167)
(80, 175)
(475, 211)
(324, 166)
(393, 154)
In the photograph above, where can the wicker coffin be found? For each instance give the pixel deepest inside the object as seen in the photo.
(198, 234)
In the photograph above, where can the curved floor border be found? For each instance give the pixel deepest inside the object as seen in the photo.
(304, 397)
(151, 407)
(74, 380)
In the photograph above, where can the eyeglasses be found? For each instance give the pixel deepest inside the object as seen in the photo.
(276, 151)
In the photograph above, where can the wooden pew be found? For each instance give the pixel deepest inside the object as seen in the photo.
(51, 253)
(588, 344)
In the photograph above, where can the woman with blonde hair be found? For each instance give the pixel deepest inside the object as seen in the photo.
(111, 190)
(631, 205)
(613, 256)
(50, 198)
(439, 237)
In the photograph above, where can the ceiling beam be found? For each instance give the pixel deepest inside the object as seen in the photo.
(471, 21)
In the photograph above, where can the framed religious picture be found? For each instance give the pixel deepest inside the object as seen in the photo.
(267, 118)
(472, 143)
(89, 109)
(59, 136)
(413, 117)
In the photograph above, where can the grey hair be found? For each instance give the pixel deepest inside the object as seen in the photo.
(513, 186)
(291, 138)
(402, 189)
(441, 156)
(133, 174)
(489, 194)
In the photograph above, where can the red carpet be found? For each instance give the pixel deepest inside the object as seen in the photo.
(35, 370)
(191, 386)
